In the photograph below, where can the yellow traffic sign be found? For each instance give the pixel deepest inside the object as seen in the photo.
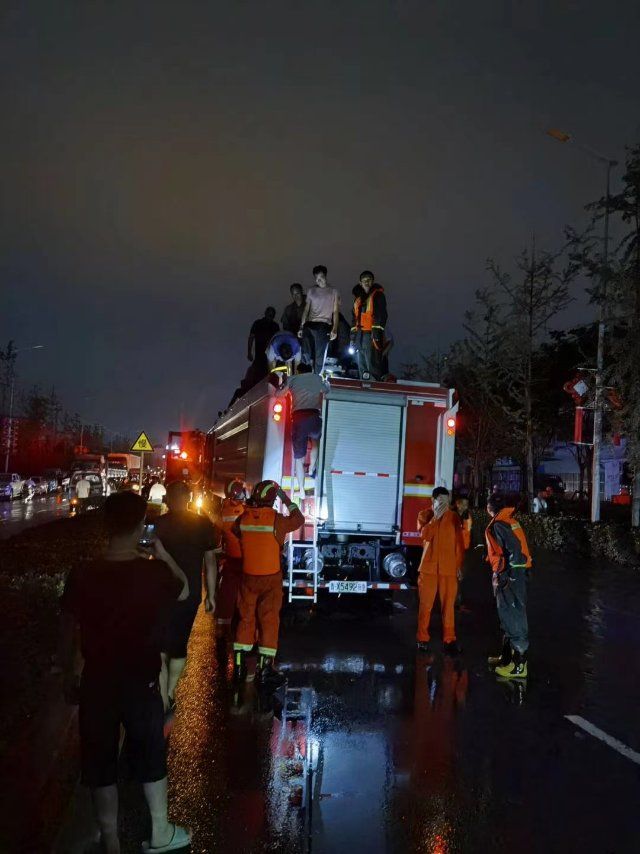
(142, 443)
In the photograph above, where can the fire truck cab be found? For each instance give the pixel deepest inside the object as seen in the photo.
(384, 447)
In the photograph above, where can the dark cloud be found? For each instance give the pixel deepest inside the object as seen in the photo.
(170, 168)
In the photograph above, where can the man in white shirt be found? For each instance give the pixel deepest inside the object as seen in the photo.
(307, 391)
(83, 491)
(157, 492)
(320, 318)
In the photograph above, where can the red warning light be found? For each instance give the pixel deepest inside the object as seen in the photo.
(278, 407)
(184, 455)
(277, 410)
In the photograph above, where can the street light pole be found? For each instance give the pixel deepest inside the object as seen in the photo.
(11, 355)
(561, 136)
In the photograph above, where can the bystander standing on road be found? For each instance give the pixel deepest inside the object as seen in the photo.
(292, 315)
(191, 540)
(510, 560)
(157, 492)
(540, 504)
(320, 319)
(440, 568)
(117, 602)
(307, 391)
(83, 491)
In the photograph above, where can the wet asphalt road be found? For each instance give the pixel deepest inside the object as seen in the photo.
(17, 515)
(390, 751)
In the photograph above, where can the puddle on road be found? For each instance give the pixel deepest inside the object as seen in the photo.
(354, 754)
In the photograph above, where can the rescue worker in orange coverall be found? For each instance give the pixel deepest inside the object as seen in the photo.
(230, 574)
(440, 569)
(262, 532)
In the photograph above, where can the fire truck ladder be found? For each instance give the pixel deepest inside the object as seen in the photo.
(297, 550)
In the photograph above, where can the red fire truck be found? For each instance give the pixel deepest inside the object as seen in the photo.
(384, 447)
(184, 456)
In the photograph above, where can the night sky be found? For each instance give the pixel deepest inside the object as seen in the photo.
(170, 168)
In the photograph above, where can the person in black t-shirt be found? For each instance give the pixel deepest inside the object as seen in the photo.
(292, 315)
(262, 331)
(191, 540)
(117, 602)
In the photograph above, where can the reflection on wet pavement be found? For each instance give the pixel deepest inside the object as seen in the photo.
(17, 515)
(372, 748)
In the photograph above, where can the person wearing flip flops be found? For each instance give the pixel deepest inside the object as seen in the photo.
(117, 601)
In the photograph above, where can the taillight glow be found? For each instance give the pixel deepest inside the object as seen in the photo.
(184, 455)
(451, 426)
(277, 411)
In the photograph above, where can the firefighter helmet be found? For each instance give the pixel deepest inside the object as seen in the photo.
(235, 490)
(264, 493)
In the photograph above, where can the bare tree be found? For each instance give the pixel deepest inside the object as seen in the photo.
(529, 300)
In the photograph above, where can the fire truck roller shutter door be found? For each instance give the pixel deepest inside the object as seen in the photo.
(362, 449)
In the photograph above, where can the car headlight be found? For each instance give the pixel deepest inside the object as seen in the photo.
(394, 565)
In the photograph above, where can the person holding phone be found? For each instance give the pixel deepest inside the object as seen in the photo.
(117, 601)
(192, 541)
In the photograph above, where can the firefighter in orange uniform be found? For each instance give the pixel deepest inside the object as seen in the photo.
(262, 532)
(230, 564)
(369, 321)
(440, 568)
(509, 556)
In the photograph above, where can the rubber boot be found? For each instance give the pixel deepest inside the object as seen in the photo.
(267, 673)
(505, 655)
(517, 669)
(239, 666)
(222, 649)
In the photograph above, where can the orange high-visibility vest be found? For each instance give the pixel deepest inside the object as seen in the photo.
(495, 555)
(261, 551)
(230, 511)
(363, 310)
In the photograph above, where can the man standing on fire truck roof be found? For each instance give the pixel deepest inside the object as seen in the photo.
(440, 569)
(367, 330)
(320, 318)
(262, 532)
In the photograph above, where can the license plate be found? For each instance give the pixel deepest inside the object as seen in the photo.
(347, 587)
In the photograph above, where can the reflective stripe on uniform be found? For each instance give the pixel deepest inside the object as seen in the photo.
(267, 650)
(230, 518)
(242, 647)
(260, 528)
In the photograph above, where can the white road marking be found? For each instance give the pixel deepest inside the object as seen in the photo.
(609, 740)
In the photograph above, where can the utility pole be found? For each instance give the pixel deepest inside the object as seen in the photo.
(11, 357)
(599, 398)
(598, 404)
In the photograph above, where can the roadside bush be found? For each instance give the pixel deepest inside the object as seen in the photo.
(609, 540)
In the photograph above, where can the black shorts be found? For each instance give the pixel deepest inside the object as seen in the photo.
(103, 708)
(307, 424)
(177, 628)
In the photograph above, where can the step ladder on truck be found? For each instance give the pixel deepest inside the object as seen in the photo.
(383, 449)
